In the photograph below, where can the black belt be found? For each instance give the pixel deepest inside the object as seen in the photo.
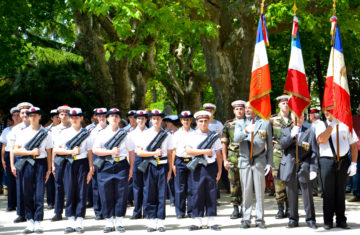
(185, 159)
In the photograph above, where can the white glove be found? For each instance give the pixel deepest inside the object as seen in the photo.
(295, 131)
(333, 123)
(267, 169)
(313, 175)
(352, 169)
(250, 128)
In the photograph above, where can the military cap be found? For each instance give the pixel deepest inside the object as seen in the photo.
(141, 113)
(100, 111)
(14, 109)
(314, 110)
(24, 105)
(238, 103)
(283, 98)
(186, 114)
(209, 106)
(76, 112)
(64, 108)
(202, 114)
(156, 112)
(33, 110)
(131, 113)
(113, 111)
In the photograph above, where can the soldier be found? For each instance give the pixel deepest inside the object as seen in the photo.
(78, 169)
(182, 174)
(205, 175)
(5, 157)
(132, 121)
(15, 133)
(334, 174)
(230, 153)
(138, 181)
(115, 173)
(58, 171)
(303, 172)
(156, 176)
(253, 169)
(35, 170)
(280, 121)
(100, 114)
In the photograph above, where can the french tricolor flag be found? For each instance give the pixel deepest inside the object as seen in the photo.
(337, 95)
(296, 84)
(260, 85)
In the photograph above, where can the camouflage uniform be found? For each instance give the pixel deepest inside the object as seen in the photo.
(278, 123)
(232, 157)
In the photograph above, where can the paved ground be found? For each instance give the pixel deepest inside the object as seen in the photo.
(177, 226)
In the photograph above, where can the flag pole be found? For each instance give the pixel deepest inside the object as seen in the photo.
(333, 54)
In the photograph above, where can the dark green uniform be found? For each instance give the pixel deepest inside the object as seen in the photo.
(227, 137)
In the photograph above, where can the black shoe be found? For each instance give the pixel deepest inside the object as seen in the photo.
(293, 224)
(20, 219)
(89, 205)
(245, 224)
(79, 230)
(235, 214)
(120, 229)
(149, 229)
(280, 214)
(261, 225)
(180, 216)
(194, 227)
(311, 224)
(136, 217)
(342, 225)
(161, 229)
(215, 227)
(28, 231)
(109, 229)
(99, 217)
(328, 226)
(10, 209)
(50, 206)
(130, 204)
(69, 230)
(56, 217)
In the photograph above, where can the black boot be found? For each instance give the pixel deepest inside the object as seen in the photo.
(235, 214)
(280, 214)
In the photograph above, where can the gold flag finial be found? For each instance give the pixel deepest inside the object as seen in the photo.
(294, 8)
(334, 7)
(262, 6)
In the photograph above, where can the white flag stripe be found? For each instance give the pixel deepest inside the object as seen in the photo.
(296, 60)
(260, 56)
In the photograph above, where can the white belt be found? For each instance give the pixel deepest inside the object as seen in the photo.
(119, 158)
(210, 160)
(79, 157)
(162, 162)
(39, 157)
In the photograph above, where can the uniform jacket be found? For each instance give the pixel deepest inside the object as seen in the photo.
(308, 154)
(262, 145)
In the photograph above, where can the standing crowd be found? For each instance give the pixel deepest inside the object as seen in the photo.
(156, 156)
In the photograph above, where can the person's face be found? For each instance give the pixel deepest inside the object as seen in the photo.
(76, 120)
(300, 121)
(132, 120)
(114, 119)
(34, 118)
(24, 117)
(239, 112)
(203, 124)
(101, 118)
(211, 110)
(156, 121)
(94, 118)
(186, 122)
(16, 117)
(312, 117)
(140, 121)
(55, 119)
(248, 111)
(283, 106)
(64, 117)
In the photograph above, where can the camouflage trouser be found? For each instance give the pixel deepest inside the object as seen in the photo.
(234, 178)
(280, 187)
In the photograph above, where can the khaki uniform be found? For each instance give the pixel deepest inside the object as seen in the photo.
(278, 123)
(227, 137)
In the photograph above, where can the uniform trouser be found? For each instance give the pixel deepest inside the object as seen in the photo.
(204, 190)
(171, 189)
(11, 182)
(182, 188)
(75, 187)
(50, 190)
(138, 185)
(333, 183)
(292, 193)
(253, 179)
(155, 191)
(356, 178)
(130, 191)
(20, 209)
(89, 196)
(95, 191)
(234, 179)
(59, 189)
(113, 188)
(33, 182)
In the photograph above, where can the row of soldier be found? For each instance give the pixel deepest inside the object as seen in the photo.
(172, 154)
